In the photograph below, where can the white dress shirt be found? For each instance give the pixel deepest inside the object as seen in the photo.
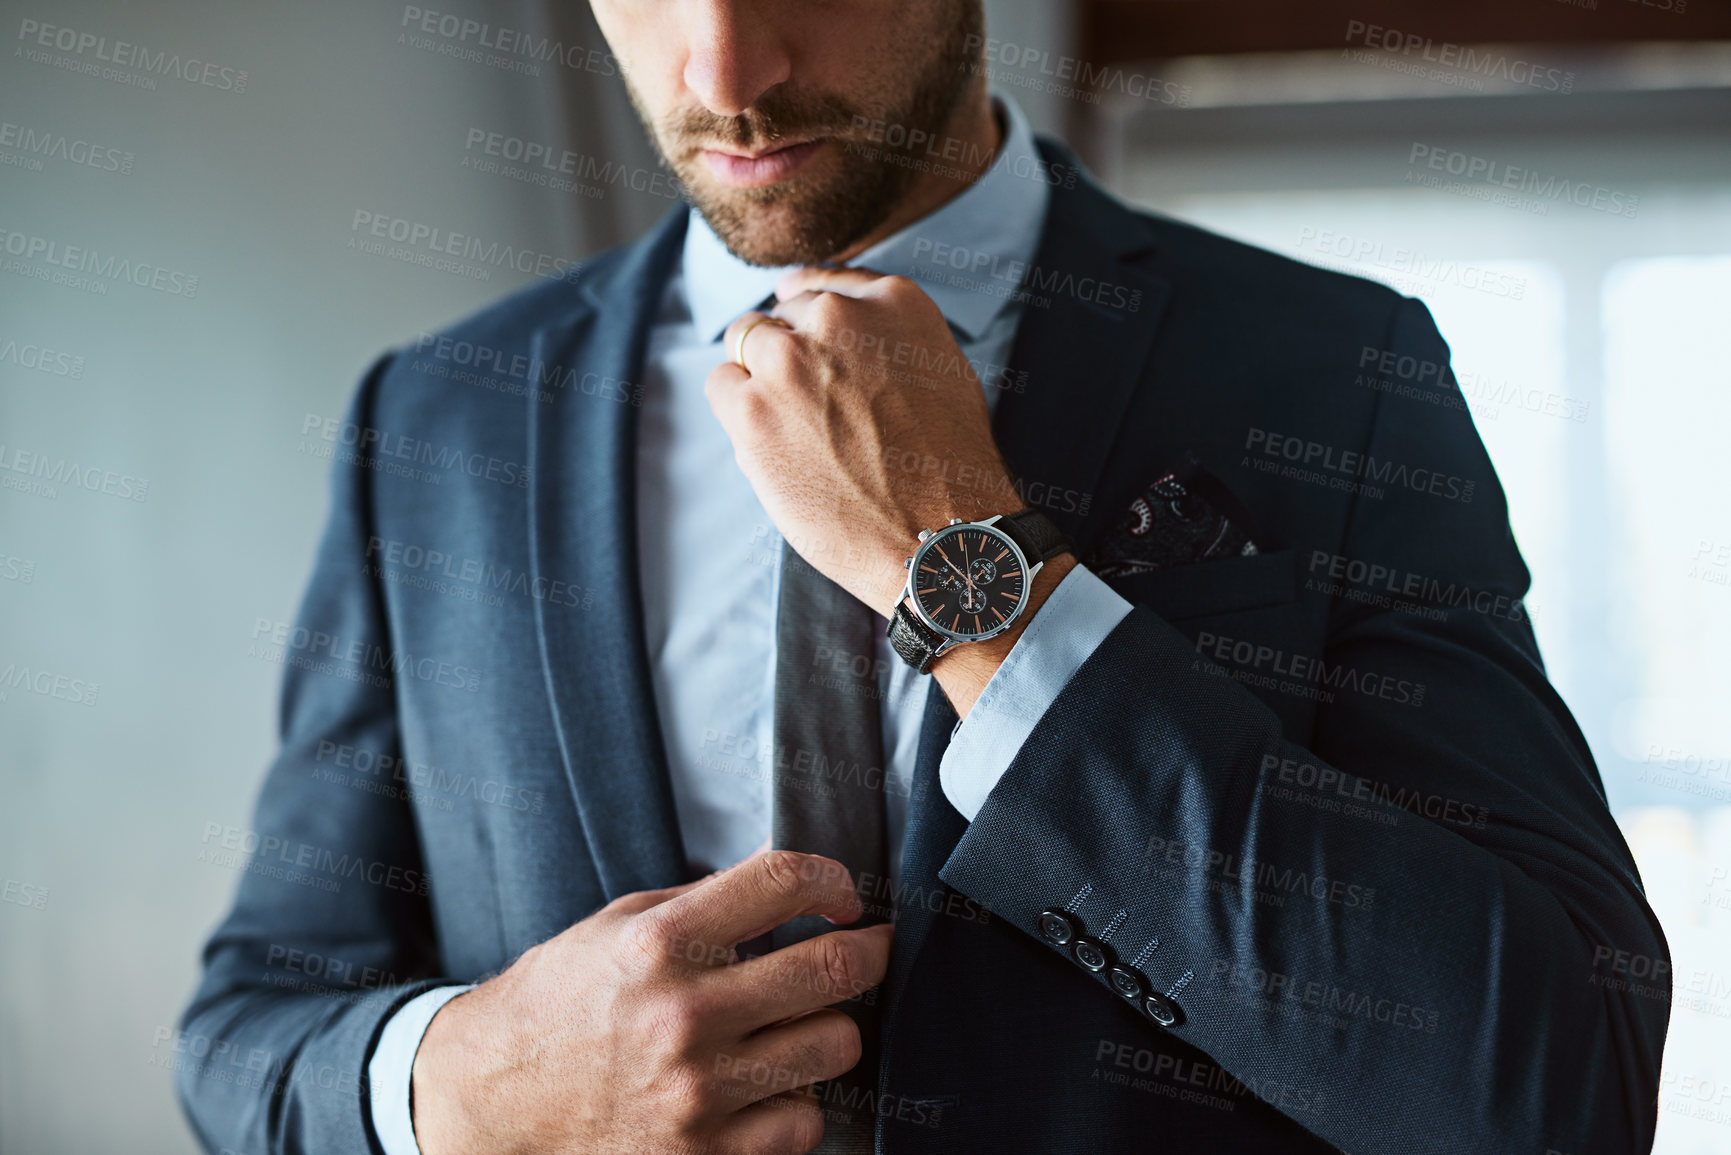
(710, 558)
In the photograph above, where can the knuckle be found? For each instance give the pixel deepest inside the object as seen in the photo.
(835, 964)
(752, 407)
(670, 1024)
(827, 308)
(783, 872)
(647, 940)
(690, 1089)
(896, 286)
(844, 1044)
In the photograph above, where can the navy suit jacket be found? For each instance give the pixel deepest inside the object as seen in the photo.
(1366, 832)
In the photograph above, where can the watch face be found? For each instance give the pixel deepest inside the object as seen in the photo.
(969, 581)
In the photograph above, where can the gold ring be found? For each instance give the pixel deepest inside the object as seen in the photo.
(739, 341)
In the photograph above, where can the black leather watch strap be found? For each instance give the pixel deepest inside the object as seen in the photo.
(914, 641)
(1034, 533)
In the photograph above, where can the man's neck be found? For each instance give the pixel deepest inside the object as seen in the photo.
(979, 136)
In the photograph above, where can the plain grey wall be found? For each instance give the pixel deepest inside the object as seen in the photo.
(251, 185)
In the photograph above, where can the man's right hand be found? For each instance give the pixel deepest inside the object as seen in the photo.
(638, 1029)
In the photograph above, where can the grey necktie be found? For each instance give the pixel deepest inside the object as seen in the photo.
(829, 793)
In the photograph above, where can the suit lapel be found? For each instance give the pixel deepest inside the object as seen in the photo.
(582, 531)
(1083, 340)
(1082, 361)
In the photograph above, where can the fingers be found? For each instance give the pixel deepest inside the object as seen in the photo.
(820, 1045)
(849, 282)
(819, 972)
(760, 330)
(638, 901)
(786, 1124)
(757, 895)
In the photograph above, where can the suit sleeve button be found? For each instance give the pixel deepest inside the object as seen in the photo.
(1057, 927)
(1126, 982)
(1090, 954)
(1163, 1010)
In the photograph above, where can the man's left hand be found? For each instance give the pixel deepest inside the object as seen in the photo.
(860, 425)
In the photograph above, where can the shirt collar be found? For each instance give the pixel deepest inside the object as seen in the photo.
(987, 233)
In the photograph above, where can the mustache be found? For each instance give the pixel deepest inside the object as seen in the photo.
(777, 116)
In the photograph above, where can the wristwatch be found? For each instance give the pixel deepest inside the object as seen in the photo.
(969, 581)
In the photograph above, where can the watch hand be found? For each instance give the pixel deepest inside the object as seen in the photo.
(952, 564)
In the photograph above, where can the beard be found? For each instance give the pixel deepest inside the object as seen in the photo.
(843, 193)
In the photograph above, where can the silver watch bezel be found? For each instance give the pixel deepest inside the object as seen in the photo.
(951, 638)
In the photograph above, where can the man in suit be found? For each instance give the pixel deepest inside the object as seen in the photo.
(1246, 821)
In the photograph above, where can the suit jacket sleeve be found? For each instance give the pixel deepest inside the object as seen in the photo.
(1465, 1007)
(330, 931)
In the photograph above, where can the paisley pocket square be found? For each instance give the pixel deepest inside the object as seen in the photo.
(1183, 516)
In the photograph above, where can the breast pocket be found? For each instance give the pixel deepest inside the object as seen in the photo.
(1211, 588)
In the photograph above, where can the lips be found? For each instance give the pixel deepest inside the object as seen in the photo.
(767, 168)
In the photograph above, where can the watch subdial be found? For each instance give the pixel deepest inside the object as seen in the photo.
(971, 599)
(982, 571)
(951, 580)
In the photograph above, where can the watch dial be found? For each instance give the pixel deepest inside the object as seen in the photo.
(968, 580)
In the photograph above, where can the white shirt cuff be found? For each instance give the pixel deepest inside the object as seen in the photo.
(392, 1063)
(1070, 626)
